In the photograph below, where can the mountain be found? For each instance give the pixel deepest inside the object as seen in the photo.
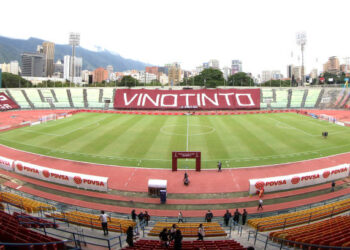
(11, 49)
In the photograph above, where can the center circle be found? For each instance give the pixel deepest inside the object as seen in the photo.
(193, 130)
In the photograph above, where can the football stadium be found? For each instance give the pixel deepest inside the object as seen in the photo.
(255, 167)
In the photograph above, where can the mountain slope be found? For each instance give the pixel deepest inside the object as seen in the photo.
(11, 49)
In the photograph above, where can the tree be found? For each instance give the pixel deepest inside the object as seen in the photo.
(210, 78)
(240, 79)
(128, 81)
(14, 81)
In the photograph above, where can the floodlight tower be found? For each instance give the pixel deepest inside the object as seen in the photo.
(301, 41)
(74, 40)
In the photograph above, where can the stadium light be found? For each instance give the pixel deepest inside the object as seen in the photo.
(301, 41)
(74, 40)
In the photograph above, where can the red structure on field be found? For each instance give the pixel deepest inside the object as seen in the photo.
(185, 155)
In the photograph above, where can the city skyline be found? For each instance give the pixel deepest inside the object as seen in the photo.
(263, 37)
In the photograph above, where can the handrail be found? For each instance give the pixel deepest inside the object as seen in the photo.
(319, 214)
(283, 241)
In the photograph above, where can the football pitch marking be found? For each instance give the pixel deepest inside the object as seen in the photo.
(188, 124)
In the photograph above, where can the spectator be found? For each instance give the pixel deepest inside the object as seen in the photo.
(163, 236)
(172, 232)
(244, 216)
(141, 216)
(178, 240)
(104, 222)
(133, 215)
(219, 166)
(209, 216)
(180, 217)
(260, 204)
(227, 217)
(236, 216)
(146, 217)
(200, 232)
(333, 185)
(130, 236)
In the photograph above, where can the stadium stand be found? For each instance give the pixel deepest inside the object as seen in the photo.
(11, 231)
(29, 205)
(281, 99)
(93, 98)
(197, 244)
(299, 217)
(35, 98)
(297, 97)
(62, 98)
(77, 97)
(311, 98)
(34, 222)
(92, 220)
(17, 94)
(331, 232)
(212, 229)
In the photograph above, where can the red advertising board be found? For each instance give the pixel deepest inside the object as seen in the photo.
(6, 102)
(203, 99)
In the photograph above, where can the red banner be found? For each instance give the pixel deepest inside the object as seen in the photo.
(203, 99)
(6, 103)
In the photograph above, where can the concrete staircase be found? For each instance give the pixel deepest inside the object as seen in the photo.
(27, 99)
(289, 97)
(319, 99)
(306, 92)
(70, 98)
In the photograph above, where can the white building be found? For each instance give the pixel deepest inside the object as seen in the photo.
(67, 70)
(236, 66)
(146, 77)
(111, 75)
(12, 67)
(163, 79)
(214, 64)
(226, 71)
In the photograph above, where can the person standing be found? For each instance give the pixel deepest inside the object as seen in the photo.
(130, 236)
(208, 216)
(244, 216)
(333, 186)
(163, 237)
(178, 240)
(236, 216)
(141, 216)
(200, 232)
(104, 222)
(172, 232)
(146, 217)
(133, 215)
(219, 166)
(260, 204)
(180, 218)
(227, 217)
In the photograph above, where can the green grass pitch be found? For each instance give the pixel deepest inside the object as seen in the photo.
(148, 140)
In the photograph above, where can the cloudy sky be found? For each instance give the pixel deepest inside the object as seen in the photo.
(261, 33)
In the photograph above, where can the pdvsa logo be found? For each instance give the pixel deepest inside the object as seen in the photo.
(77, 180)
(19, 166)
(259, 184)
(295, 180)
(46, 173)
(326, 174)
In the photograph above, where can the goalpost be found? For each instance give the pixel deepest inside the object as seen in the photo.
(185, 155)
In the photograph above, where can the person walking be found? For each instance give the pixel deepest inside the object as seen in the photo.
(180, 218)
(227, 217)
(208, 216)
(130, 236)
(133, 215)
(260, 204)
(333, 186)
(244, 216)
(236, 216)
(104, 222)
(178, 240)
(200, 232)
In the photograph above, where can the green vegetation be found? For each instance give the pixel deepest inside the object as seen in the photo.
(14, 81)
(209, 78)
(148, 140)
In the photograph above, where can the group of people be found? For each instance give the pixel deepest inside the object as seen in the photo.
(143, 217)
(236, 216)
(173, 234)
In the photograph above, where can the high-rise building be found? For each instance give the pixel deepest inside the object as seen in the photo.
(214, 64)
(266, 76)
(174, 74)
(49, 51)
(226, 72)
(14, 67)
(332, 65)
(33, 64)
(100, 75)
(110, 70)
(67, 70)
(236, 66)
